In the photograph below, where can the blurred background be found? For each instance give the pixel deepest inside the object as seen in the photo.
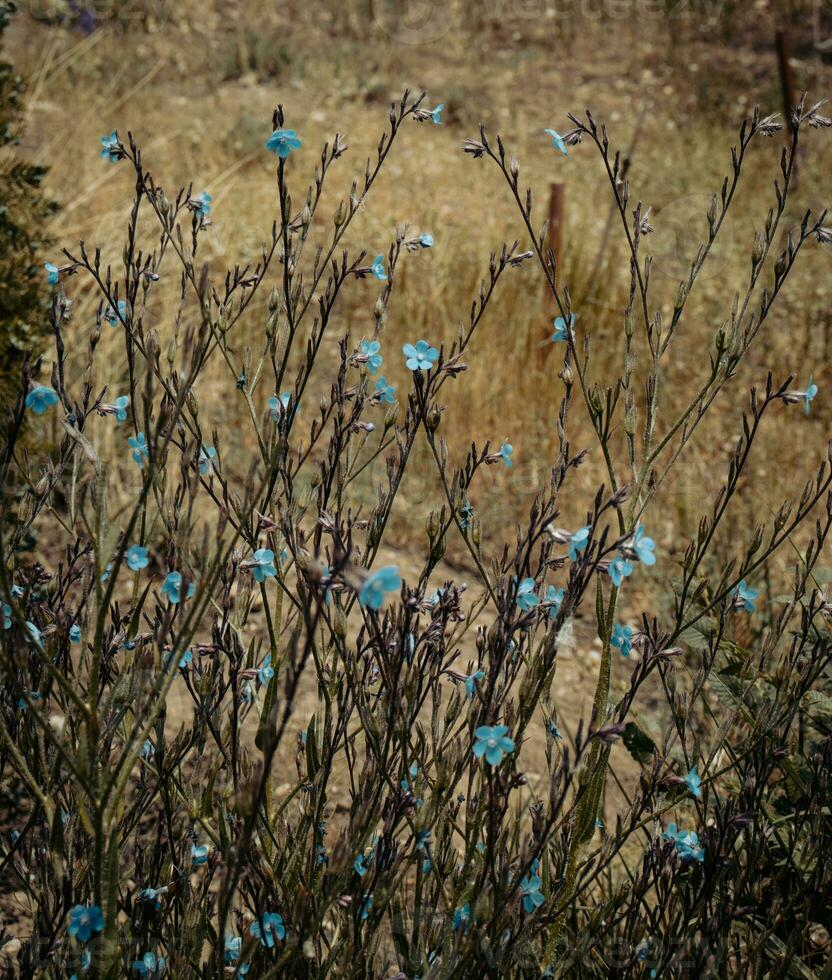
(196, 84)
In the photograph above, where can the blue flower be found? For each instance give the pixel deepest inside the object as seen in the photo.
(578, 541)
(281, 405)
(266, 671)
(745, 597)
(686, 843)
(436, 114)
(643, 547)
(809, 394)
(425, 241)
(40, 398)
(283, 142)
(148, 749)
(386, 579)
(233, 948)
(526, 598)
(492, 741)
(262, 564)
(530, 893)
(186, 659)
(370, 349)
(268, 929)
(207, 455)
(138, 444)
(136, 557)
(152, 895)
(622, 639)
(359, 865)
(694, 783)
(33, 696)
(202, 204)
(247, 694)
(149, 965)
(199, 855)
(172, 587)
(85, 921)
(105, 575)
(553, 598)
(562, 330)
(112, 148)
(385, 390)
(120, 406)
(558, 141)
(377, 268)
(619, 569)
(366, 905)
(466, 514)
(506, 451)
(471, 682)
(422, 357)
(462, 918)
(53, 273)
(553, 730)
(7, 616)
(75, 633)
(114, 318)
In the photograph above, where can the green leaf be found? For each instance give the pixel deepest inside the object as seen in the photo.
(638, 743)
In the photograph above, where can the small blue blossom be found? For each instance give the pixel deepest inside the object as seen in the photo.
(186, 659)
(105, 575)
(687, 844)
(563, 327)
(119, 407)
(247, 694)
(75, 633)
(426, 241)
(622, 639)
(152, 896)
(359, 865)
(112, 149)
(420, 357)
(266, 671)
(148, 749)
(34, 634)
(385, 391)
(745, 597)
(7, 616)
(578, 541)
(114, 318)
(233, 948)
(558, 141)
(436, 114)
(207, 455)
(506, 451)
(553, 730)
(268, 929)
(462, 918)
(619, 569)
(492, 741)
(366, 905)
(137, 557)
(262, 565)
(471, 682)
(694, 783)
(53, 273)
(199, 855)
(283, 142)
(138, 444)
(466, 514)
(553, 598)
(279, 406)
(85, 921)
(372, 592)
(643, 547)
(172, 587)
(809, 394)
(530, 893)
(526, 598)
(202, 204)
(377, 268)
(40, 398)
(370, 349)
(149, 965)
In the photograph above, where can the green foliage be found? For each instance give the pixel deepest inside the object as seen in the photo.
(23, 215)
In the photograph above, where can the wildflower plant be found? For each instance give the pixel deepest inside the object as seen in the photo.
(396, 829)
